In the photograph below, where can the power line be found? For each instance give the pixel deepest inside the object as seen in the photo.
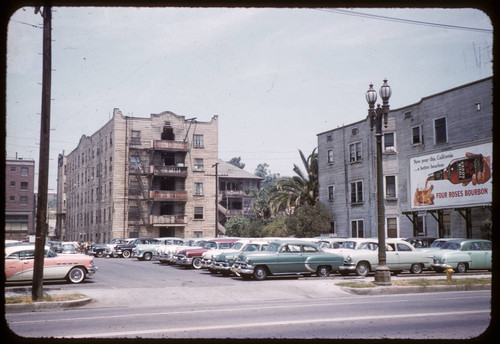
(404, 21)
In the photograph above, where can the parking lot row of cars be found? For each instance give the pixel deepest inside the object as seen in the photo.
(263, 257)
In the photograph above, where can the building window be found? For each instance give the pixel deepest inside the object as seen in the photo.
(329, 138)
(331, 192)
(355, 152)
(330, 156)
(23, 200)
(198, 165)
(390, 186)
(135, 139)
(357, 192)
(392, 227)
(197, 141)
(198, 189)
(198, 213)
(24, 171)
(416, 135)
(389, 143)
(440, 131)
(13, 183)
(357, 229)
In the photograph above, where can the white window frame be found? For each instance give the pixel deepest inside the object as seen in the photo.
(387, 225)
(356, 158)
(329, 156)
(356, 183)
(390, 149)
(198, 189)
(420, 136)
(357, 221)
(395, 186)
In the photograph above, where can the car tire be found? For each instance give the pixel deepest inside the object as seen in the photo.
(99, 254)
(362, 269)
(416, 268)
(76, 275)
(196, 263)
(323, 271)
(126, 254)
(147, 256)
(260, 273)
(461, 268)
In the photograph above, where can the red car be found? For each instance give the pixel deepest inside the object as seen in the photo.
(192, 257)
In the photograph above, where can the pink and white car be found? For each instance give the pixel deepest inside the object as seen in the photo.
(19, 263)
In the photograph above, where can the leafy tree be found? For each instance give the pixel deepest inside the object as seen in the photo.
(276, 228)
(309, 221)
(236, 161)
(302, 189)
(237, 226)
(269, 178)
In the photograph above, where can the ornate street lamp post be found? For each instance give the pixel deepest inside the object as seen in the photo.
(382, 273)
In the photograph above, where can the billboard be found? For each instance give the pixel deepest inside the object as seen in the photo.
(452, 178)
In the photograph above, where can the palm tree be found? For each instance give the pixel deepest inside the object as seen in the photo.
(297, 190)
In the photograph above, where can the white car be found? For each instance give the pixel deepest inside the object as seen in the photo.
(400, 255)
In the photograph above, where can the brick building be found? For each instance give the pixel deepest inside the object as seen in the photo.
(420, 139)
(19, 198)
(139, 177)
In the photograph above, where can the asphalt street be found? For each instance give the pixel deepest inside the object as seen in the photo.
(149, 300)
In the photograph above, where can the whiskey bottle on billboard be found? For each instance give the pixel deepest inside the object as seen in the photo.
(460, 170)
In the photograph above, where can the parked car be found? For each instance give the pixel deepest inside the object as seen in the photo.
(68, 249)
(463, 255)
(208, 256)
(169, 254)
(19, 263)
(98, 250)
(112, 245)
(223, 262)
(400, 255)
(191, 257)
(287, 257)
(125, 250)
(421, 242)
(148, 251)
(330, 242)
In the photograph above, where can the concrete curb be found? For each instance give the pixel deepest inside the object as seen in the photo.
(415, 289)
(45, 305)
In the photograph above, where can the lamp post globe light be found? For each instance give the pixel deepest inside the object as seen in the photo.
(382, 273)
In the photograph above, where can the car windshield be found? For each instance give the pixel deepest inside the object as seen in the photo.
(251, 247)
(348, 244)
(210, 245)
(237, 246)
(437, 243)
(451, 246)
(368, 246)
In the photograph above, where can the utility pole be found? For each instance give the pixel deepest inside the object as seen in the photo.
(43, 161)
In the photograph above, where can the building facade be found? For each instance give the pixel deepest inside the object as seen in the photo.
(235, 193)
(421, 143)
(140, 177)
(19, 198)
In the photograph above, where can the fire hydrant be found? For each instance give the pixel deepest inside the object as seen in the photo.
(449, 271)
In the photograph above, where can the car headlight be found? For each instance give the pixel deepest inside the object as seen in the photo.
(348, 259)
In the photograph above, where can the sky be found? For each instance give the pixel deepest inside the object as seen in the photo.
(275, 77)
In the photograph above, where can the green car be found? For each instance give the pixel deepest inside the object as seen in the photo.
(463, 255)
(287, 257)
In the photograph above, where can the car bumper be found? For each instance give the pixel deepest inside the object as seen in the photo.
(184, 261)
(441, 266)
(243, 269)
(347, 267)
(92, 270)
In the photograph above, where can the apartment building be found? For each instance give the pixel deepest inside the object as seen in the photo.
(140, 177)
(422, 145)
(235, 192)
(19, 198)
